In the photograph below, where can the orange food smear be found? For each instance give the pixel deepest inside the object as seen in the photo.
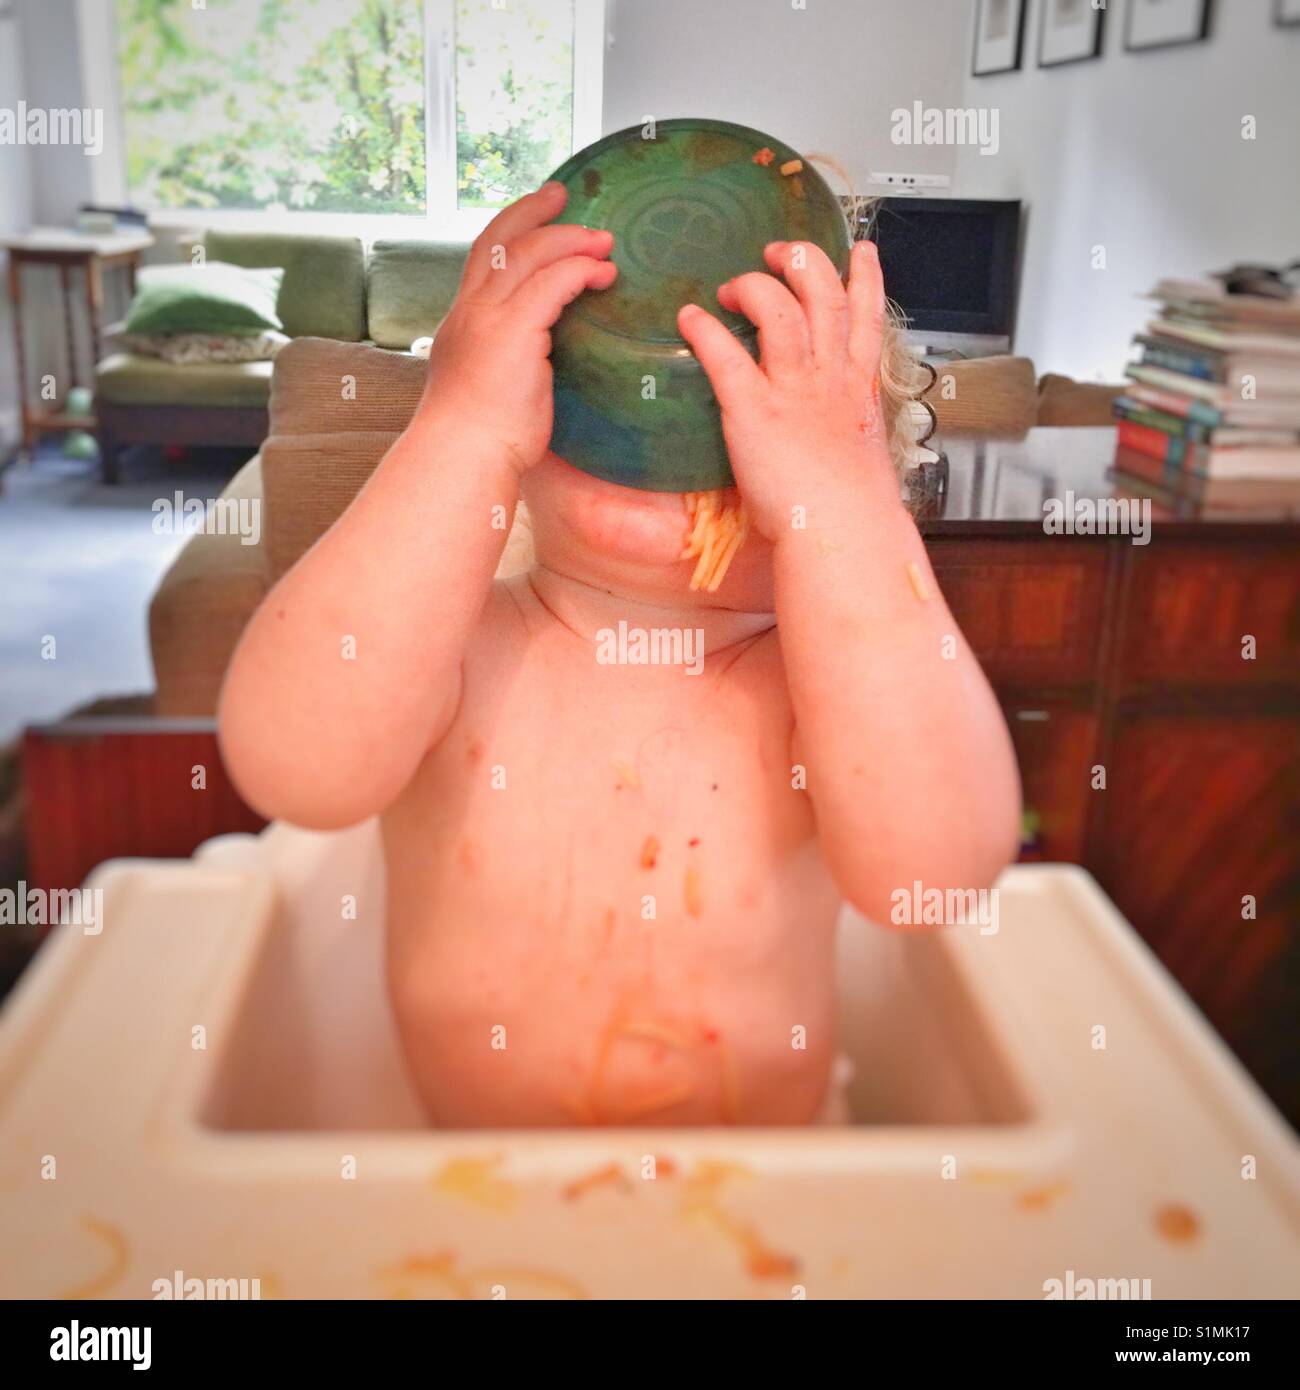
(1040, 1198)
(474, 1180)
(995, 1177)
(1178, 1224)
(610, 1175)
(693, 896)
(658, 1100)
(118, 1256)
(764, 156)
(438, 1269)
(650, 1031)
(792, 166)
(649, 852)
(761, 1261)
(917, 581)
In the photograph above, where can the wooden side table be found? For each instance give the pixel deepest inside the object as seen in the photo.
(91, 254)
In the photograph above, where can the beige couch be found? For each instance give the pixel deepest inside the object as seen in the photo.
(337, 407)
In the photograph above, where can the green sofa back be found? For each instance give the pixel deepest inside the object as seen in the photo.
(324, 289)
(410, 286)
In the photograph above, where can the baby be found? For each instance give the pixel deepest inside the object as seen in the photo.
(613, 887)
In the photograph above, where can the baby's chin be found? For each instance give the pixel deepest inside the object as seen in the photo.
(633, 538)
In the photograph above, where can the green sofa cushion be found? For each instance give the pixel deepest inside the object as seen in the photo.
(410, 286)
(215, 298)
(324, 290)
(129, 380)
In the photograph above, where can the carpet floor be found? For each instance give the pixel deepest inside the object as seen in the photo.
(79, 562)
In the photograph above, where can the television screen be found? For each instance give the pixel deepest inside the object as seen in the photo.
(950, 263)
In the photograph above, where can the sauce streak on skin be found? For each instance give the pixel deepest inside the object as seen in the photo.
(1178, 1224)
(692, 892)
(650, 852)
(627, 775)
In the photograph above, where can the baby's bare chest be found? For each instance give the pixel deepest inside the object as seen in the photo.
(571, 799)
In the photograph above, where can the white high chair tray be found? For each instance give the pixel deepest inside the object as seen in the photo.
(996, 1146)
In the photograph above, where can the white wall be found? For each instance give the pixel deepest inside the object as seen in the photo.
(15, 214)
(1140, 153)
(824, 78)
(62, 175)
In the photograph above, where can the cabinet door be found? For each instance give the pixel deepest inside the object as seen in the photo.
(1191, 605)
(1030, 609)
(1200, 813)
(1055, 748)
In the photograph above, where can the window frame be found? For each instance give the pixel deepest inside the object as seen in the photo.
(441, 218)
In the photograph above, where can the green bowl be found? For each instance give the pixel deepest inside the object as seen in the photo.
(689, 208)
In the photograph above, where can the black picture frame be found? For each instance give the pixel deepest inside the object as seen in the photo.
(1014, 65)
(1202, 31)
(1099, 30)
(1280, 17)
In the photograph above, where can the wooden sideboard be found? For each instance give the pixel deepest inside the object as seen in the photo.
(1131, 658)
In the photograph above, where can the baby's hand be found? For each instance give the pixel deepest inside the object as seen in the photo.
(489, 366)
(806, 418)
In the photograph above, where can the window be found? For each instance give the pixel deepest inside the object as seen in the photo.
(385, 107)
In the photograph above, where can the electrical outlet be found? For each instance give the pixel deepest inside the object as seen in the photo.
(908, 181)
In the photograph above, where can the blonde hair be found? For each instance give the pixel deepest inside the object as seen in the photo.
(903, 378)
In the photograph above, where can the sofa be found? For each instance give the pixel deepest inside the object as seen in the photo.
(333, 288)
(322, 446)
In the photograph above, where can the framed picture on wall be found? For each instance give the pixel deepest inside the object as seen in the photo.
(999, 36)
(1286, 12)
(1164, 23)
(1070, 32)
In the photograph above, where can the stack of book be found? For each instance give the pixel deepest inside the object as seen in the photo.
(1210, 417)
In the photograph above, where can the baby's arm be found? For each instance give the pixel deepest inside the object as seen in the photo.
(350, 670)
(909, 764)
(910, 767)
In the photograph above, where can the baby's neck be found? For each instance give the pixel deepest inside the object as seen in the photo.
(586, 609)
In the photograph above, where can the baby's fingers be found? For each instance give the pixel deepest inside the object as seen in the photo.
(769, 305)
(532, 210)
(816, 283)
(542, 298)
(512, 265)
(866, 307)
(731, 371)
